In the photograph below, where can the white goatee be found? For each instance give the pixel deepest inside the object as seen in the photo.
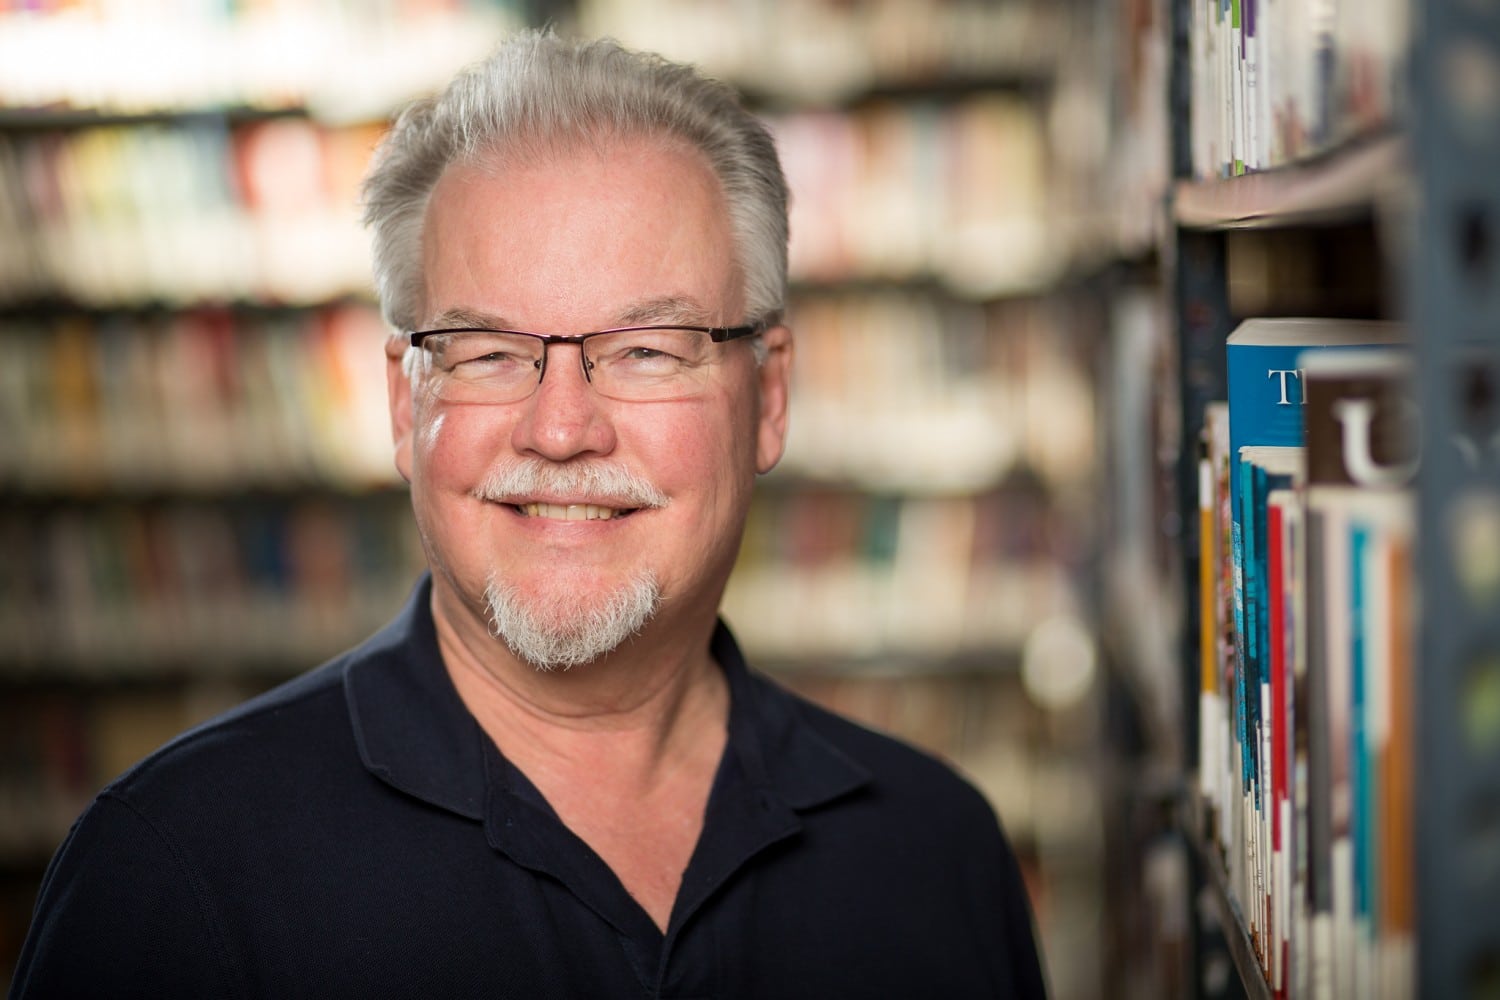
(560, 630)
(564, 633)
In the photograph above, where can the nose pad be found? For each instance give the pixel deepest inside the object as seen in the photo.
(583, 361)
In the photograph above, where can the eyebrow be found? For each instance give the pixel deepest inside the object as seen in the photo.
(667, 309)
(664, 309)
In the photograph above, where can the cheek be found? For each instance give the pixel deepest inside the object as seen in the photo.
(702, 446)
(711, 461)
(451, 443)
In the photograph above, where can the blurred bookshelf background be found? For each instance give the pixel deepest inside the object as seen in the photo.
(198, 492)
(980, 535)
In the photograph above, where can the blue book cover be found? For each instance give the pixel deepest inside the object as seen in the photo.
(1360, 788)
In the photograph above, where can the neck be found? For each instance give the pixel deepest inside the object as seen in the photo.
(624, 749)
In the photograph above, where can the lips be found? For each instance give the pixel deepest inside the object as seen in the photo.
(572, 511)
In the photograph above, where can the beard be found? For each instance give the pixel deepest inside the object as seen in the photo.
(557, 632)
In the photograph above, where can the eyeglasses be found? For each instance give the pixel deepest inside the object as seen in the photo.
(633, 364)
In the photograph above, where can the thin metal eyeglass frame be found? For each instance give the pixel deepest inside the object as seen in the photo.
(717, 334)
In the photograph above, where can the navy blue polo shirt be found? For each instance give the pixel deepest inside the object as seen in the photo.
(354, 833)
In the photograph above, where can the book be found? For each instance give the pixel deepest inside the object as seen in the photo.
(1282, 515)
(1360, 459)
(1215, 615)
(1360, 419)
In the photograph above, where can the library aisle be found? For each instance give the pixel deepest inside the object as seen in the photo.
(1044, 255)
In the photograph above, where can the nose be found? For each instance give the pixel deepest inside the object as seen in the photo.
(564, 418)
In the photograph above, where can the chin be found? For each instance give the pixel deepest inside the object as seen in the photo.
(570, 627)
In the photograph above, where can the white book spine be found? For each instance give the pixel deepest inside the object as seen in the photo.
(1320, 960)
(1263, 813)
(1250, 111)
(1283, 898)
(1343, 917)
(1237, 92)
(1226, 56)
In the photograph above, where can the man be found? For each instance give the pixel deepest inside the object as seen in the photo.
(553, 775)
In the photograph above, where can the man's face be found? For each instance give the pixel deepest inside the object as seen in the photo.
(631, 233)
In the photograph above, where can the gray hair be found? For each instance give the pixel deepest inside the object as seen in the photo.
(536, 93)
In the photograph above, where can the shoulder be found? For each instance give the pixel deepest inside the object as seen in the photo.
(131, 897)
(135, 895)
(901, 777)
(265, 744)
(270, 753)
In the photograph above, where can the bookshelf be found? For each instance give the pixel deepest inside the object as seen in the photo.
(1411, 189)
(202, 501)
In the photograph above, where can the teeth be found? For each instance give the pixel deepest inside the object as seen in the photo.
(569, 512)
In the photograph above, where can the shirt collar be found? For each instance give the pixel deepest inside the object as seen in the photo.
(416, 734)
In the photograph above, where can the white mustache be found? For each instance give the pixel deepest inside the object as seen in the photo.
(595, 483)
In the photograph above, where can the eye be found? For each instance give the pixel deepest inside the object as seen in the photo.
(642, 352)
(650, 350)
(482, 354)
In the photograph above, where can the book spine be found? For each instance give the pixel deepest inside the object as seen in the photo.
(1397, 800)
(1227, 52)
(1237, 83)
(1361, 681)
(1253, 83)
(1276, 715)
(1208, 710)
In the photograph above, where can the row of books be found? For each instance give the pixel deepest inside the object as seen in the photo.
(826, 52)
(1276, 81)
(223, 584)
(1306, 745)
(99, 55)
(882, 578)
(882, 375)
(57, 749)
(268, 209)
(102, 55)
(262, 210)
(212, 588)
(953, 190)
(195, 401)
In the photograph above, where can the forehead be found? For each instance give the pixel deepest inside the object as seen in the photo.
(578, 232)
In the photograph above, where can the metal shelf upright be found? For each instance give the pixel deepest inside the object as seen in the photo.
(1453, 306)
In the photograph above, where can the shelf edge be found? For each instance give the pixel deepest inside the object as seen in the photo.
(1345, 184)
(1231, 920)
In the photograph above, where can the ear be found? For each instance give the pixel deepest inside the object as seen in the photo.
(398, 389)
(775, 377)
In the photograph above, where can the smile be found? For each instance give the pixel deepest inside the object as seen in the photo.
(571, 512)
